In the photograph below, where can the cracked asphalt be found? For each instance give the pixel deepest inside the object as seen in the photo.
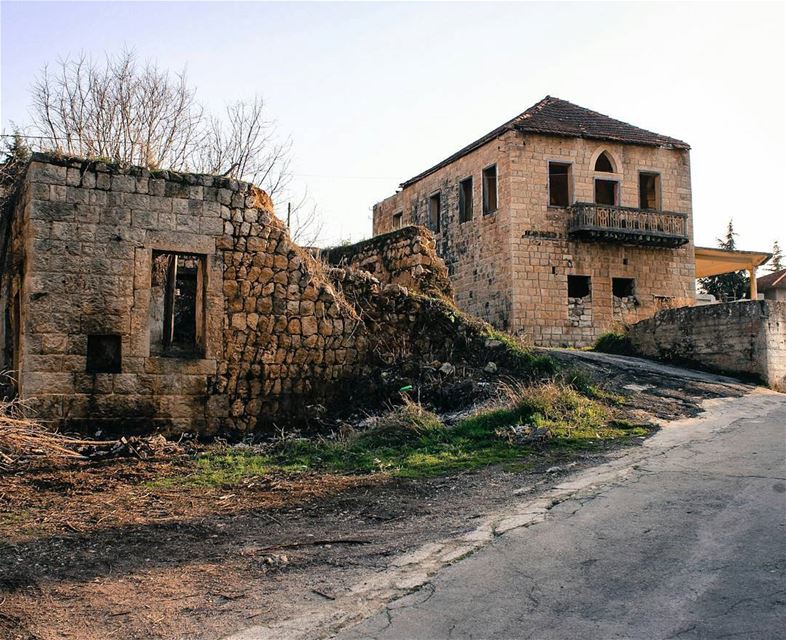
(688, 541)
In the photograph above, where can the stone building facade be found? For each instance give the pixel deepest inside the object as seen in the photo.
(560, 224)
(160, 301)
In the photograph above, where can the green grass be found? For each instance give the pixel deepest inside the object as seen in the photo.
(521, 360)
(411, 442)
(616, 343)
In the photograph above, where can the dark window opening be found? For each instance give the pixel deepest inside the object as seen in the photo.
(103, 354)
(623, 287)
(398, 220)
(177, 305)
(559, 184)
(649, 184)
(603, 163)
(489, 190)
(465, 200)
(579, 286)
(434, 211)
(606, 192)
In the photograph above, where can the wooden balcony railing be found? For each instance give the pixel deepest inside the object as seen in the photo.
(604, 223)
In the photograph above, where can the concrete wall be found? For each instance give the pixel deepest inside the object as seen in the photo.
(511, 268)
(745, 338)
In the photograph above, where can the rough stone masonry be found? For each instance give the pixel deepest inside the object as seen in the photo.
(142, 300)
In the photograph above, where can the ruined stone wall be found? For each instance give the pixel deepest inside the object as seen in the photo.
(477, 252)
(276, 334)
(405, 257)
(746, 338)
(273, 330)
(511, 268)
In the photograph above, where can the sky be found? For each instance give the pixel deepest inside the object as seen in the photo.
(373, 93)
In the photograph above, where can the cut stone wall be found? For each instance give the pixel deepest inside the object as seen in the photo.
(405, 257)
(277, 335)
(511, 267)
(743, 338)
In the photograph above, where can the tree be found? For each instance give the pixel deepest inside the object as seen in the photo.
(776, 262)
(727, 286)
(140, 114)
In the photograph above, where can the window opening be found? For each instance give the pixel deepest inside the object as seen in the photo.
(579, 286)
(465, 200)
(559, 186)
(489, 190)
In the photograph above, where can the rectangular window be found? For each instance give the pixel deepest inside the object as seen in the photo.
(559, 184)
(579, 286)
(623, 287)
(398, 220)
(649, 190)
(177, 307)
(606, 192)
(489, 190)
(103, 354)
(465, 200)
(434, 212)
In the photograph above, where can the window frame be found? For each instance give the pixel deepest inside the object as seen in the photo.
(167, 348)
(658, 191)
(465, 206)
(568, 183)
(616, 198)
(398, 220)
(436, 228)
(487, 210)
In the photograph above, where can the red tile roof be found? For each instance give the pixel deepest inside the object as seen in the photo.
(774, 280)
(552, 116)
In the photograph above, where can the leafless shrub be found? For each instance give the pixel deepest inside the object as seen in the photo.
(135, 113)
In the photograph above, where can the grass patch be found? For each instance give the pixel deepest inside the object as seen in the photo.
(412, 442)
(616, 343)
(522, 360)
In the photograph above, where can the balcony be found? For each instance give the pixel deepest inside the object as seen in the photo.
(604, 223)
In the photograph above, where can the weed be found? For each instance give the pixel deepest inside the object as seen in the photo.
(617, 343)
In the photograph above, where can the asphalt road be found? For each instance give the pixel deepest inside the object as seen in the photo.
(690, 544)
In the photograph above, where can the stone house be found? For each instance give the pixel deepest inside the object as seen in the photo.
(773, 285)
(559, 224)
(137, 300)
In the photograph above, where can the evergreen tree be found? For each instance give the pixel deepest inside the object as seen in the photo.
(776, 262)
(727, 286)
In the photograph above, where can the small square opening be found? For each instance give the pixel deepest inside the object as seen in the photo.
(623, 287)
(579, 286)
(398, 220)
(104, 354)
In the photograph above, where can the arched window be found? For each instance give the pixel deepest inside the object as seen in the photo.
(603, 163)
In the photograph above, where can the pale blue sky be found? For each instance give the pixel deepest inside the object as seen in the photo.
(372, 94)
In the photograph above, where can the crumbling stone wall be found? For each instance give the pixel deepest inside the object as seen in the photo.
(747, 338)
(406, 257)
(275, 332)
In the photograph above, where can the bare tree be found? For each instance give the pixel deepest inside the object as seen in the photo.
(140, 114)
(118, 110)
(245, 145)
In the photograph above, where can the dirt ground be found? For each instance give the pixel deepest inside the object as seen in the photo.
(92, 551)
